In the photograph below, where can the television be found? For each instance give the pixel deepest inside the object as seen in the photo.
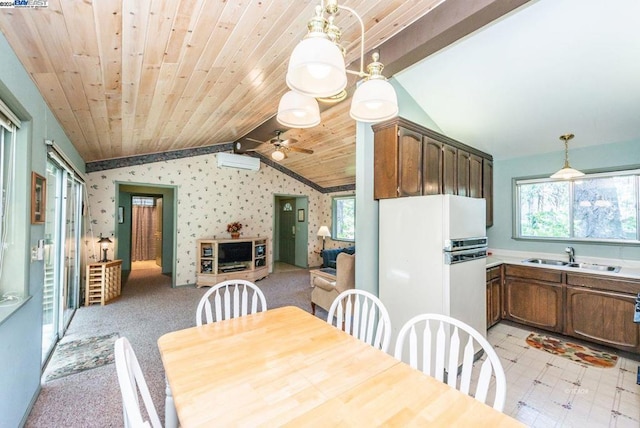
(234, 252)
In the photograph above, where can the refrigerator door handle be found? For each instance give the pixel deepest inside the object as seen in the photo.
(453, 257)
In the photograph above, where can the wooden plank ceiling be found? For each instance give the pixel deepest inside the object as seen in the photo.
(136, 77)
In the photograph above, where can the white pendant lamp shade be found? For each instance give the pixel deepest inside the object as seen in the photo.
(278, 155)
(298, 111)
(375, 100)
(567, 173)
(316, 68)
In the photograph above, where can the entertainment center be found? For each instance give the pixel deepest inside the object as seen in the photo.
(223, 259)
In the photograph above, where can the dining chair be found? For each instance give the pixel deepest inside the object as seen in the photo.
(131, 380)
(434, 338)
(362, 315)
(231, 299)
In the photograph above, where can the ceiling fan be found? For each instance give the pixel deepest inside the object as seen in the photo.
(281, 147)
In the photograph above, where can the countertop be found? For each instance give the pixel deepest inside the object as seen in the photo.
(629, 269)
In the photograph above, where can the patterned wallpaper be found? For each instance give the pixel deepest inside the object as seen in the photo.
(208, 198)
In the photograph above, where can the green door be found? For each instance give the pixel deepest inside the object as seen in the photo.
(287, 236)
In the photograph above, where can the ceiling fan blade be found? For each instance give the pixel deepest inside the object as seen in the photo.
(300, 150)
(254, 140)
(289, 141)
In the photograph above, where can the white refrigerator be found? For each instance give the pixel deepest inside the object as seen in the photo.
(432, 258)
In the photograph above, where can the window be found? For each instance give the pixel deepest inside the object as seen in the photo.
(11, 247)
(344, 218)
(597, 207)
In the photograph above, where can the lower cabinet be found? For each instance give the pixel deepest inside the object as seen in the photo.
(494, 295)
(533, 296)
(604, 317)
(592, 307)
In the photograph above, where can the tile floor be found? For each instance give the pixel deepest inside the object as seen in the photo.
(545, 390)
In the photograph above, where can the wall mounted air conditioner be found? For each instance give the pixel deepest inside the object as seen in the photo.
(238, 161)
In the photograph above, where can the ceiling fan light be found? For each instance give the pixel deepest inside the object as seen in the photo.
(375, 100)
(316, 68)
(298, 111)
(278, 155)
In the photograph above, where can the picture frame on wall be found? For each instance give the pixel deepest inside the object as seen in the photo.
(38, 198)
(301, 214)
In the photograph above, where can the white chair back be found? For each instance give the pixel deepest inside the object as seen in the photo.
(132, 382)
(362, 315)
(231, 299)
(434, 332)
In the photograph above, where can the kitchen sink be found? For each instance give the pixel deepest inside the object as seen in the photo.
(546, 262)
(593, 266)
(587, 266)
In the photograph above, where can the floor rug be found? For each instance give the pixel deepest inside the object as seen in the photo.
(573, 351)
(79, 355)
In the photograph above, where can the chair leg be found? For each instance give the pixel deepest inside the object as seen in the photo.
(313, 308)
(170, 414)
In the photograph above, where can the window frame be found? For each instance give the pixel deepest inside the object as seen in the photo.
(516, 214)
(334, 217)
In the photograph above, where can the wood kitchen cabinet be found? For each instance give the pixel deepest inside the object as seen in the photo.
(600, 309)
(534, 296)
(487, 188)
(463, 173)
(494, 295)
(397, 162)
(432, 167)
(411, 160)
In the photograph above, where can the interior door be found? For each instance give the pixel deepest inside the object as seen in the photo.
(158, 231)
(287, 236)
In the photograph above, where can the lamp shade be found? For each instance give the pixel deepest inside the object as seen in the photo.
(316, 68)
(278, 155)
(104, 240)
(375, 100)
(324, 232)
(567, 173)
(298, 111)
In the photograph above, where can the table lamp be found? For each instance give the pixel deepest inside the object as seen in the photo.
(104, 243)
(324, 232)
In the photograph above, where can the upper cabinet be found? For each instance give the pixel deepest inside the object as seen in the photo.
(410, 160)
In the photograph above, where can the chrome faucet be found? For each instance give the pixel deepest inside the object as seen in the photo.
(572, 254)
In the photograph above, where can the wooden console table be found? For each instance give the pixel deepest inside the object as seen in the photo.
(103, 282)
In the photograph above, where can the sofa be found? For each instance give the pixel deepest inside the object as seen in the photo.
(324, 292)
(330, 255)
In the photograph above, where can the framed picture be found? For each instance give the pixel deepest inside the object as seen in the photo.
(301, 214)
(38, 198)
(120, 215)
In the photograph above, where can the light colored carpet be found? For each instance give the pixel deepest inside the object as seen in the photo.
(147, 309)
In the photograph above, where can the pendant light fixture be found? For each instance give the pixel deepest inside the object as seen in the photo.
(567, 172)
(317, 70)
(298, 111)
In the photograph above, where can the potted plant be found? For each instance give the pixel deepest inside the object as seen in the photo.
(234, 229)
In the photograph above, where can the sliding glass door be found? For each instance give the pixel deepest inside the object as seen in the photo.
(62, 253)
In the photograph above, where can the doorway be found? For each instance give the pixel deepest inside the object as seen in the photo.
(146, 232)
(61, 253)
(154, 226)
(290, 230)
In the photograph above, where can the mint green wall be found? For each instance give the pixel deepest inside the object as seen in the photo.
(589, 158)
(410, 110)
(21, 332)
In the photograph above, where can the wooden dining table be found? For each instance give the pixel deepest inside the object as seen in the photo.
(285, 367)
